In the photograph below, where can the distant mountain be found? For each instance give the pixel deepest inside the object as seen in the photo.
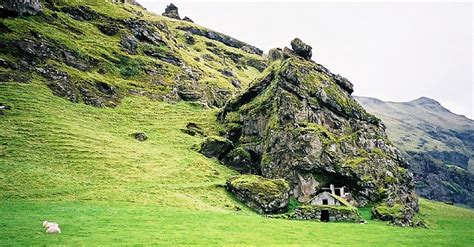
(438, 143)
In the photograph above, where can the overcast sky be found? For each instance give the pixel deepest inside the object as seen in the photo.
(395, 51)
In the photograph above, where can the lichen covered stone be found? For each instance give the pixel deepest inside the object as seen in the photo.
(264, 195)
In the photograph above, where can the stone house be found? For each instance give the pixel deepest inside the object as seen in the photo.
(329, 205)
(332, 196)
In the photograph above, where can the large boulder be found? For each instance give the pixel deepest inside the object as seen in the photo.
(171, 11)
(302, 49)
(19, 7)
(264, 195)
(300, 124)
(396, 214)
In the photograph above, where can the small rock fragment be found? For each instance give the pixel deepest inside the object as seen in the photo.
(188, 19)
(140, 136)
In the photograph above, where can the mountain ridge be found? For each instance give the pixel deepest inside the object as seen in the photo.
(433, 139)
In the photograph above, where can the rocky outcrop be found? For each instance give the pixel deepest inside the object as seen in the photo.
(301, 125)
(81, 13)
(129, 44)
(301, 49)
(32, 50)
(227, 40)
(144, 31)
(263, 195)
(171, 11)
(20, 7)
(98, 94)
(215, 146)
(109, 29)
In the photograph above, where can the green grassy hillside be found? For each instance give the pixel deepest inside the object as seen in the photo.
(81, 165)
(52, 149)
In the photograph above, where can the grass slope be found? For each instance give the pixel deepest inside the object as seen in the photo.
(120, 223)
(53, 149)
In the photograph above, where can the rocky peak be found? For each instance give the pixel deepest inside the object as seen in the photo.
(424, 101)
(171, 11)
(300, 123)
(19, 7)
(301, 49)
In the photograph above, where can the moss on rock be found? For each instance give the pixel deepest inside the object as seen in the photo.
(264, 195)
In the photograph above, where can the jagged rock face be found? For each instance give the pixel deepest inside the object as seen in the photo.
(20, 7)
(300, 124)
(436, 181)
(171, 11)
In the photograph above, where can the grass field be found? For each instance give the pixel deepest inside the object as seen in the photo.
(80, 166)
(86, 223)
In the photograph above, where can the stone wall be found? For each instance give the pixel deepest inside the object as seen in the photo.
(341, 213)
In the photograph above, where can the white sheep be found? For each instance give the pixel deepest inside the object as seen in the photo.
(47, 224)
(53, 229)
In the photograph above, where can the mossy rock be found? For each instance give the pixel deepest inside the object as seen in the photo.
(215, 146)
(264, 195)
(397, 214)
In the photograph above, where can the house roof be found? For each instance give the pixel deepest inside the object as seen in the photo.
(338, 198)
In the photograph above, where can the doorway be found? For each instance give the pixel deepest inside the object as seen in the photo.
(324, 216)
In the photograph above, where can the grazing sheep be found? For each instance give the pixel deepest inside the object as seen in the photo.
(47, 224)
(53, 229)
